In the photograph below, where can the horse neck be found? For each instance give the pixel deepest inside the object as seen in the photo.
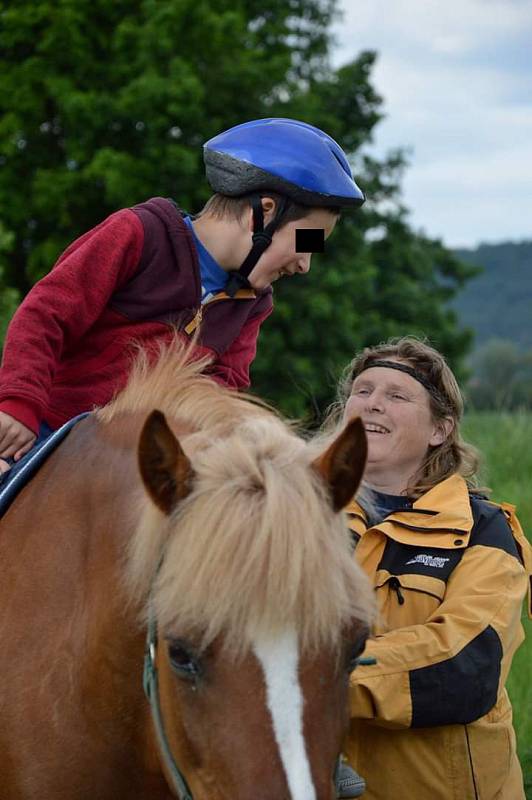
(62, 553)
(113, 491)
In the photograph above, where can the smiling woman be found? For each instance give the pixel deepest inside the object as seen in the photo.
(395, 408)
(431, 717)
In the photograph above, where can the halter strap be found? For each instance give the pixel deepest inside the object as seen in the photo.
(150, 683)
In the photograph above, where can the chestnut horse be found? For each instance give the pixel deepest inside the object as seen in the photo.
(210, 524)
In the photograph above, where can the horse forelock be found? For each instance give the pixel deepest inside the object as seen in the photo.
(255, 548)
(173, 380)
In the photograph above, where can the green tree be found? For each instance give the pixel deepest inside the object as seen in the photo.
(497, 303)
(9, 297)
(378, 279)
(502, 376)
(105, 104)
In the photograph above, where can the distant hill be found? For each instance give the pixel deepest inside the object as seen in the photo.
(497, 303)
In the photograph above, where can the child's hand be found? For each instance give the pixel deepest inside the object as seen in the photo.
(15, 438)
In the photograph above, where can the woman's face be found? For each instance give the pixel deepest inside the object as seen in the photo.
(395, 410)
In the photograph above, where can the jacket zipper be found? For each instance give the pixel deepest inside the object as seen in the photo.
(196, 320)
(395, 584)
(471, 762)
(454, 531)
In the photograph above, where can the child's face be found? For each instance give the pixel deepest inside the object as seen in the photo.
(281, 259)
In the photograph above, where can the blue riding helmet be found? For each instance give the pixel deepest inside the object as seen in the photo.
(289, 157)
(296, 160)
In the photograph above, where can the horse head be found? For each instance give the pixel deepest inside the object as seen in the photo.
(255, 607)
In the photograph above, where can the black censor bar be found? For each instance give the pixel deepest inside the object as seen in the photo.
(310, 240)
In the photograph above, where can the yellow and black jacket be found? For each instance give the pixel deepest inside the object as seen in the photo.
(431, 720)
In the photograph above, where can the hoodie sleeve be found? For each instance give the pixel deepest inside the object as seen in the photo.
(60, 308)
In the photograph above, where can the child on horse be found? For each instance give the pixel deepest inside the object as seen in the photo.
(147, 270)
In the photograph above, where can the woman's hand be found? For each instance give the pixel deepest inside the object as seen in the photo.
(15, 439)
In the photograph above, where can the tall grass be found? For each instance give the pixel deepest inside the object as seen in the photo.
(505, 440)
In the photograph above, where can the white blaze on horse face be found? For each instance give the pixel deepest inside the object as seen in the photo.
(279, 660)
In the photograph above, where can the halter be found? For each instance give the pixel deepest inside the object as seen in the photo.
(150, 683)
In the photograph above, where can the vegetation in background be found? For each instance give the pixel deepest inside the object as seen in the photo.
(504, 440)
(501, 376)
(9, 296)
(497, 305)
(103, 105)
(497, 302)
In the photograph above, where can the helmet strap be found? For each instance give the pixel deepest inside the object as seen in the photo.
(262, 239)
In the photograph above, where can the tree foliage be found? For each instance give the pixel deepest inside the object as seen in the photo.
(9, 297)
(105, 104)
(497, 303)
(378, 277)
(501, 376)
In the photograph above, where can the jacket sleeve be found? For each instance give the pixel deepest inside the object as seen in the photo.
(450, 669)
(60, 308)
(231, 368)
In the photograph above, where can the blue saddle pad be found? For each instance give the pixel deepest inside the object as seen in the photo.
(21, 473)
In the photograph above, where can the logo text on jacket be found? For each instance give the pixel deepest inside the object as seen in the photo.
(428, 561)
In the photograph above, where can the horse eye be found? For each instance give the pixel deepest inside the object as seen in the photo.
(182, 661)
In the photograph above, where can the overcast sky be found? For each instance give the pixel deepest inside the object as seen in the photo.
(456, 79)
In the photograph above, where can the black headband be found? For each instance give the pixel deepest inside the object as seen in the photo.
(414, 373)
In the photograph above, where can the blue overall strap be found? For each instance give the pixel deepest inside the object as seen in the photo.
(151, 689)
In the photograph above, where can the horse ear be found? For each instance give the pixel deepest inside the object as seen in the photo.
(164, 467)
(341, 466)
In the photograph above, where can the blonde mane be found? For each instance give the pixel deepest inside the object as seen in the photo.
(175, 383)
(255, 547)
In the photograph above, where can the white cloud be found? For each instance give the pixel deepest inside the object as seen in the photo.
(455, 78)
(452, 26)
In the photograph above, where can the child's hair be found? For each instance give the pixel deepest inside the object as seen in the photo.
(223, 206)
(454, 455)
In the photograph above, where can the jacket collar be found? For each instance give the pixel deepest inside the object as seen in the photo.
(445, 507)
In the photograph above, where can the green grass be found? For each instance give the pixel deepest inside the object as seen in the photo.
(505, 440)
